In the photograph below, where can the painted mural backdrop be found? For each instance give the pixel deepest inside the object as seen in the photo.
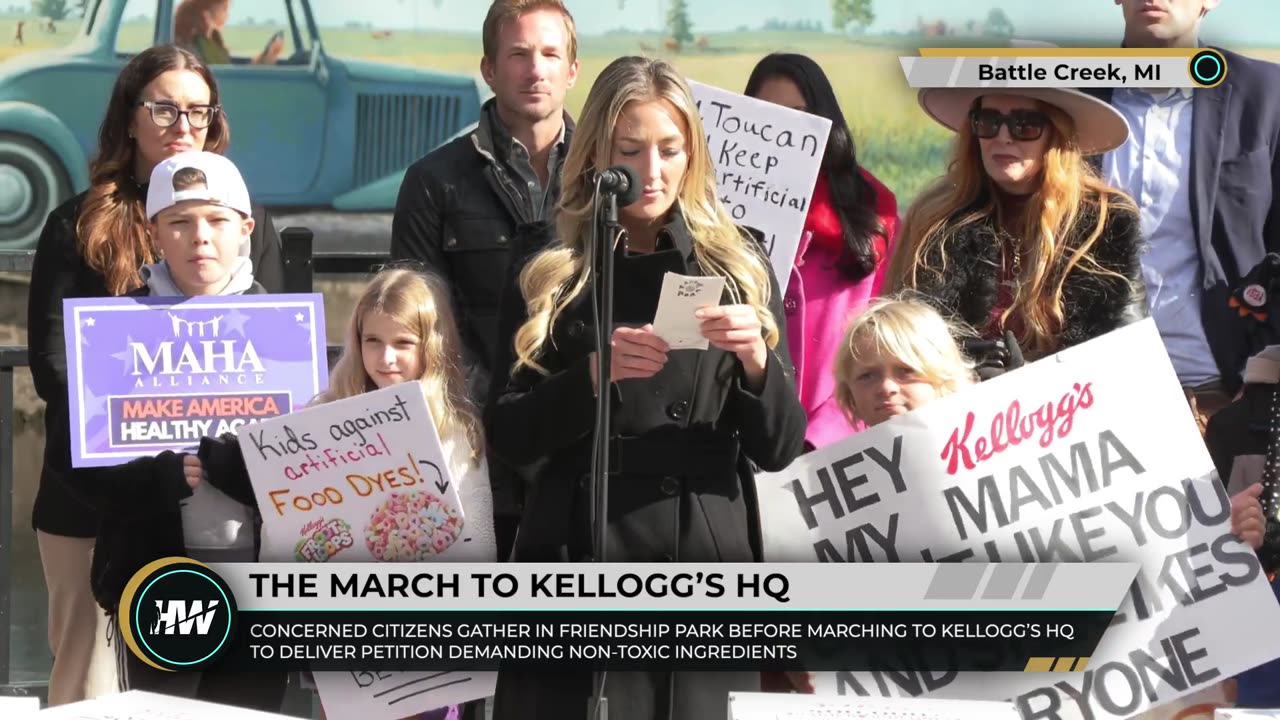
(400, 41)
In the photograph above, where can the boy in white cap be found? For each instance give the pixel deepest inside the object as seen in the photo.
(200, 217)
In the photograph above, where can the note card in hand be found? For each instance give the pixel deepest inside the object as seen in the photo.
(682, 296)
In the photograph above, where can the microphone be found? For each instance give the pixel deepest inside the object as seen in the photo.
(622, 182)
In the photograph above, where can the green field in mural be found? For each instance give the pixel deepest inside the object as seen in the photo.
(895, 140)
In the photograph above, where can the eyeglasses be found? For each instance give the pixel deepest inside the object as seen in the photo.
(166, 114)
(1024, 125)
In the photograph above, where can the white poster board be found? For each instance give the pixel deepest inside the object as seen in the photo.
(767, 159)
(1090, 455)
(19, 708)
(1272, 714)
(360, 479)
(778, 706)
(139, 705)
(365, 479)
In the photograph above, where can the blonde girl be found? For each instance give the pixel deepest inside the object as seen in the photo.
(402, 329)
(897, 356)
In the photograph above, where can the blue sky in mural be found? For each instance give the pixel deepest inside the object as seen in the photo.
(1235, 22)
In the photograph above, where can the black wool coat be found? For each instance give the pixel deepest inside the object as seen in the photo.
(685, 443)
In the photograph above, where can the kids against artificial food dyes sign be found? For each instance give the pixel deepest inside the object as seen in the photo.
(767, 159)
(152, 374)
(1075, 458)
(360, 479)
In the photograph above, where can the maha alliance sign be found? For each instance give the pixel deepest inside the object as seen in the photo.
(146, 375)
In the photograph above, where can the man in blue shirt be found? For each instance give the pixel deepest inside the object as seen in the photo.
(1202, 166)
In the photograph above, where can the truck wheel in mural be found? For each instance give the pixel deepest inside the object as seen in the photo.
(32, 184)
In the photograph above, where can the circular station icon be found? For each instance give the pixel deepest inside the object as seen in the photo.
(177, 614)
(1208, 68)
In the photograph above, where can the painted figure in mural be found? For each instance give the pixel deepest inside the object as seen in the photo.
(198, 25)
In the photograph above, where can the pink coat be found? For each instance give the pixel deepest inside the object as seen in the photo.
(819, 304)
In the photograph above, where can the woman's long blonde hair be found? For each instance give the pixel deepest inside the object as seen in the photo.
(1051, 215)
(420, 302)
(558, 274)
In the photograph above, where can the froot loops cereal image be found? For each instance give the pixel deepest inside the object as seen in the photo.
(412, 526)
(322, 539)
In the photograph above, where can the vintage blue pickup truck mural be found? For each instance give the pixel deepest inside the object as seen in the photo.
(309, 130)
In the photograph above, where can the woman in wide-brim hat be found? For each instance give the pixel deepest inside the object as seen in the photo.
(1021, 234)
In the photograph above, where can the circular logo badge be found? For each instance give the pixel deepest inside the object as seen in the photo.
(177, 614)
(1255, 295)
(1207, 68)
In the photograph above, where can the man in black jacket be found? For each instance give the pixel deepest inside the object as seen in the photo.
(1203, 167)
(470, 207)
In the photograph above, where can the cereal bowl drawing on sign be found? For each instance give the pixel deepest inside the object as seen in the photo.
(412, 526)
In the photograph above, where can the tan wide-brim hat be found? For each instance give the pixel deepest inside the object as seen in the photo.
(1099, 127)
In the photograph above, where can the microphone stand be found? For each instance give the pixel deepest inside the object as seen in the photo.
(604, 230)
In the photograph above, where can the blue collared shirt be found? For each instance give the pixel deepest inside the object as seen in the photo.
(1154, 168)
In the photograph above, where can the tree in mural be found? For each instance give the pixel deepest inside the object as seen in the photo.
(679, 29)
(52, 9)
(851, 15)
(998, 23)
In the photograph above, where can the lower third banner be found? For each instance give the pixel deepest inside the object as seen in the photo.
(181, 614)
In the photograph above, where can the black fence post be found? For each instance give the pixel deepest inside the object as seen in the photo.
(299, 268)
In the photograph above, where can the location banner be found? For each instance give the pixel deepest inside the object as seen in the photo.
(152, 374)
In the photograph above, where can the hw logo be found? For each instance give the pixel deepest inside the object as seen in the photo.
(175, 617)
(177, 614)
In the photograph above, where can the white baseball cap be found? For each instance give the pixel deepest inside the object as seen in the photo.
(222, 183)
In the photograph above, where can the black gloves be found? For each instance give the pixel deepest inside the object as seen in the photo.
(994, 357)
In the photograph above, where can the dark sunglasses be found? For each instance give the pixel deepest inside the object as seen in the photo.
(1024, 125)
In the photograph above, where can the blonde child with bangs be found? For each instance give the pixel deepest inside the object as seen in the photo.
(403, 329)
(897, 356)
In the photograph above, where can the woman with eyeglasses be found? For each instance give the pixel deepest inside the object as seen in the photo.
(1021, 234)
(165, 101)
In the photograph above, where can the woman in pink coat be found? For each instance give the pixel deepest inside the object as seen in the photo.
(848, 236)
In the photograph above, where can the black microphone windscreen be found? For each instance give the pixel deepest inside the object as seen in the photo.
(635, 187)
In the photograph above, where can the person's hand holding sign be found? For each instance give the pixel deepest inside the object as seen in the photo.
(192, 470)
(1247, 520)
(736, 329)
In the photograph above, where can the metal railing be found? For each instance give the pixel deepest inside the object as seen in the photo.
(301, 265)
